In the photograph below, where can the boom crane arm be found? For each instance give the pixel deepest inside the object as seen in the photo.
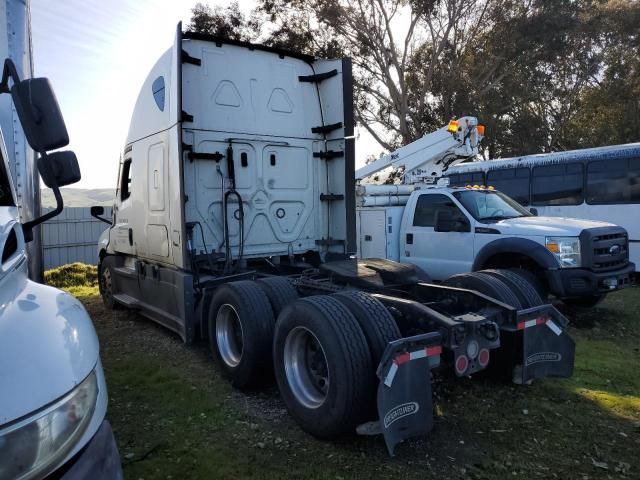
(428, 157)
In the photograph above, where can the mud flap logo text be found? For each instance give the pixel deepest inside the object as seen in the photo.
(543, 357)
(401, 411)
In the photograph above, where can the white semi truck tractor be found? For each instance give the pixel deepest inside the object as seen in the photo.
(53, 395)
(234, 222)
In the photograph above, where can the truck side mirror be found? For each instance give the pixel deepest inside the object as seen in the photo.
(39, 114)
(59, 169)
(444, 221)
(534, 211)
(97, 211)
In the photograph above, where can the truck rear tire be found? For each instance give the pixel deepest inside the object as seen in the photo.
(322, 366)
(377, 324)
(279, 291)
(105, 283)
(241, 325)
(526, 292)
(485, 284)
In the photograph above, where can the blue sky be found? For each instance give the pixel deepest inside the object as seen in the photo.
(97, 55)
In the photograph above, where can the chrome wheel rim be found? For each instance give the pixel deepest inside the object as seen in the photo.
(229, 336)
(306, 367)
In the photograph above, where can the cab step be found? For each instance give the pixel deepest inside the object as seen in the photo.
(127, 300)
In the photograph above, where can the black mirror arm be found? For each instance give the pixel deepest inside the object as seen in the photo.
(102, 219)
(8, 71)
(27, 228)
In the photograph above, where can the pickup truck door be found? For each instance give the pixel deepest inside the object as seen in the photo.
(440, 254)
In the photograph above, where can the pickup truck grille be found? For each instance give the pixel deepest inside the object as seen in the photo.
(609, 251)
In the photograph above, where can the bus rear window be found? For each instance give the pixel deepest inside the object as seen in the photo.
(613, 181)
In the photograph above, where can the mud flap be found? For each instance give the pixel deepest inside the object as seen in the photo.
(547, 349)
(405, 405)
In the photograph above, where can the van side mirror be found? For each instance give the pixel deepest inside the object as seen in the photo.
(534, 211)
(39, 114)
(59, 169)
(97, 211)
(44, 128)
(37, 109)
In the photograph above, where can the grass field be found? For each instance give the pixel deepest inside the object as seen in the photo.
(175, 418)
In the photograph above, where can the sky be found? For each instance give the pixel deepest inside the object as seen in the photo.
(97, 55)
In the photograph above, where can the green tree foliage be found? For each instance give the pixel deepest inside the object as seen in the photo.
(542, 75)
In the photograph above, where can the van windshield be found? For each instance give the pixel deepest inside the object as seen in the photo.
(6, 199)
(490, 205)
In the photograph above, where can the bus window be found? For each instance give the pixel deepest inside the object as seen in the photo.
(613, 181)
(634, 180)
(464, 179)
(512, 181)
(557, 184)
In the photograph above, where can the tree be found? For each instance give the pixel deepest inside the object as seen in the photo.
(541, 75)
(228, 22)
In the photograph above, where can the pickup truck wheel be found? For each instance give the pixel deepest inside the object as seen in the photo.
(526, 292)
(322, 366)
(105, 284)
(584, 302)
(377, 324)
(279, 291)
(241, 324)
(485, 284)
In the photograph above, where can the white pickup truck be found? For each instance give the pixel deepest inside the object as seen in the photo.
(447, 231)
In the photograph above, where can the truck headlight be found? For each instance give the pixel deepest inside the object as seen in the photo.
(33, 446)
(566, 250)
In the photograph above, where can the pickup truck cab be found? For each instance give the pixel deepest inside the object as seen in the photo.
(54, 395)
(447, 231)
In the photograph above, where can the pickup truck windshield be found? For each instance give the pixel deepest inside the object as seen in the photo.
(6, 199)
(489, 205)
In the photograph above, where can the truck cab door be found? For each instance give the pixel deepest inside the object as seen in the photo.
(440, 254)
(122, 232)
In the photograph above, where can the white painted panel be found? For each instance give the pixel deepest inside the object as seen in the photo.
(157, 240)
(155, 177)
(373, 241)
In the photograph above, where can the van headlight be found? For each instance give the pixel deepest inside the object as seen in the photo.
(566, 250)
(34, 446)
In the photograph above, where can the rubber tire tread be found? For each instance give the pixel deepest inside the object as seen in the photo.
(506, 294)
(528, 294)
(258, 324)
(110, 304)
(485, 284)
(533, 280)
(345, 348)
(279, 291)
(377, 324)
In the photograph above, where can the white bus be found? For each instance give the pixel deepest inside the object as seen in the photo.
(594, 183)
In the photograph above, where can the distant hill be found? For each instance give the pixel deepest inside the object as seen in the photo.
(78, 197)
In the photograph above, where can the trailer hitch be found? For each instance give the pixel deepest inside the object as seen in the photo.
(404, 400)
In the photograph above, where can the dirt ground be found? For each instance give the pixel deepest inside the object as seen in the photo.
(175, 418)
